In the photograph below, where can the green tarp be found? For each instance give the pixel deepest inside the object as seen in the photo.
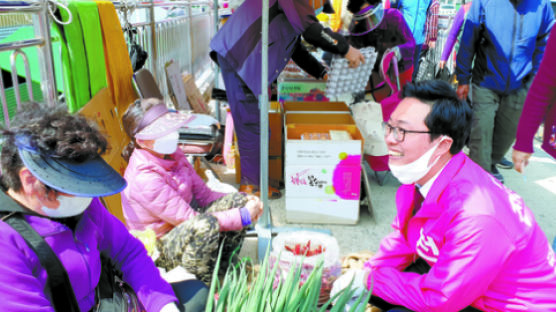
(77, 51)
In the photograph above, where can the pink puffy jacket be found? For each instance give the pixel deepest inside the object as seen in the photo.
(160, 191)
(481, 240)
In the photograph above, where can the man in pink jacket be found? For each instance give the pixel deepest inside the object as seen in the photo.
(461, 240)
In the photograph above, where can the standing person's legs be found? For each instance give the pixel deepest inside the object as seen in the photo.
(416, 59)
(485, 105)
(244, 107)
(505, 123)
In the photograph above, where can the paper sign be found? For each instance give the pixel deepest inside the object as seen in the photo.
(176, 87)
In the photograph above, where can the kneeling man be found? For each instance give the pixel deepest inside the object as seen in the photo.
(461, 239)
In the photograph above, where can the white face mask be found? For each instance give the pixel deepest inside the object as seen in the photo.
(414, 171)
(167, 144)
(69, 207)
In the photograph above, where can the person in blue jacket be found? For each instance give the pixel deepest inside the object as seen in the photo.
(501, 49)
(415, 14)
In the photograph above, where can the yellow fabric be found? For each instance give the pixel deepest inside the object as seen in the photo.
(336, 18)
(118, 65)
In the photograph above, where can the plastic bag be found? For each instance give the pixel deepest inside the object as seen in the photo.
(427, 66)
(368, 118)
(307, 248)
(218, 186)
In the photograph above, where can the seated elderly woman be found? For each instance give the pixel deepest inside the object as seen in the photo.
(52, 176)
(384, 29)
(165, 194)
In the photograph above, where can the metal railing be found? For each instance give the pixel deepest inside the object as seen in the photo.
(183, 37)
(42, 41)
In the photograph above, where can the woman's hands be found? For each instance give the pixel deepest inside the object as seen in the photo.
(254, 206)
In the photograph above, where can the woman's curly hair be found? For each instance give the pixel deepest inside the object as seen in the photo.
(54, 132)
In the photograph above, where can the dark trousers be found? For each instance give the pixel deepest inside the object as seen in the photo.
(192, 295)
(416, 60)
(244, 107)
(494, 124)
(421, 267)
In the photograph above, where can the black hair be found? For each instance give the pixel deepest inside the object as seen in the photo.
(448, 116)
(53, 131)
(354, 6)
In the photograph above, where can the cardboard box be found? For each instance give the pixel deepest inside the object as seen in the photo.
(322, 177)
(275, 171)
(319, 119)
(194, 97)
(276, 130)
(101, 109)
(301, 90)
(316, 107)
(321, 211)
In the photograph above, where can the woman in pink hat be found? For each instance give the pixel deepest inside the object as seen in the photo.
(165, 194)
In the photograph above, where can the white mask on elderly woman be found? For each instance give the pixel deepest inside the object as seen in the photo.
(167, 144)
(69, 207)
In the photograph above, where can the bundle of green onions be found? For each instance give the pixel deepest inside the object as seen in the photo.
(236, 294)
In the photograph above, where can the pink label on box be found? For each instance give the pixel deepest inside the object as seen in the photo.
(346, 179)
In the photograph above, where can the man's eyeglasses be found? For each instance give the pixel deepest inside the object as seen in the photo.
(399, 133)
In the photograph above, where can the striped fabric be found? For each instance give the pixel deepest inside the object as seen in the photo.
(431, 25)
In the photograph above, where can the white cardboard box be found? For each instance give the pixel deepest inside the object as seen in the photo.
(317, 210)
(322, 177)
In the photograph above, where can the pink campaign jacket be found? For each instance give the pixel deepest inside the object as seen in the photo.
(160, 191)
(481, 240)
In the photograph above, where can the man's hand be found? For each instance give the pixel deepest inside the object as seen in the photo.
(521, 160)
(359, 278)
(463, 91)
(432, 44)
(354, 57)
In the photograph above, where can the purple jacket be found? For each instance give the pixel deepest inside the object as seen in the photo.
(482, 242)
(23, 279)
(540, 105)
(454, 31)
(239, 40)
(391, 32)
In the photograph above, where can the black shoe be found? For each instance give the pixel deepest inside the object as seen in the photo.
(495, 173)
(505, 164)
